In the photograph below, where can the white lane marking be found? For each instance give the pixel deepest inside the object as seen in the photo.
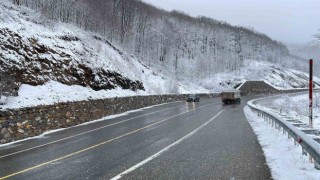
(165, 149)
(86, 132)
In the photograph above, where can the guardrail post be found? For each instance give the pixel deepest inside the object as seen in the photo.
(291, 133)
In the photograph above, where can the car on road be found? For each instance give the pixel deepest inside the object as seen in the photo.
(193, 98)
(231, 97)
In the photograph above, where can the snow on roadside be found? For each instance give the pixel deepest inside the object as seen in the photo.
(41, 136)
(54, 92)
(296, 106)
(284, 159)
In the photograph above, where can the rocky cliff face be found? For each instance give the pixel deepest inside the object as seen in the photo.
(34, 63)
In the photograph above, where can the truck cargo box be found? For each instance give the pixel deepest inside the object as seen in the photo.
(230, 97)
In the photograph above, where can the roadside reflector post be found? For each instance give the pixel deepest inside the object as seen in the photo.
(310, 98)
(310, 92)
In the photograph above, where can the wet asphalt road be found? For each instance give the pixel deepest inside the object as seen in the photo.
(205, 140)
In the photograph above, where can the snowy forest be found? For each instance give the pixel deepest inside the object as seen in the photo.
(171, 42)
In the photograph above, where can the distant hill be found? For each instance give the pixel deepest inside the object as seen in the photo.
(172, 43)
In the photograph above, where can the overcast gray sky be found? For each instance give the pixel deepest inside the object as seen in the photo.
(289, 21)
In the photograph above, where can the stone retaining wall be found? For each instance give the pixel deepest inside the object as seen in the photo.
(17, 124)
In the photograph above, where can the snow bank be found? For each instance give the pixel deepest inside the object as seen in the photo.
(55, 92)
(283, 157)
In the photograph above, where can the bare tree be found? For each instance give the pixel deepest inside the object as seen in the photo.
(172, 41)
(16, 2)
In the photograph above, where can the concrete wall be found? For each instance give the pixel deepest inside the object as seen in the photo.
(17, 124)
(262, 88)
(256, 88)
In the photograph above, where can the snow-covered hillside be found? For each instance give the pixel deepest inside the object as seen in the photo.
(42, 50)
(273, 74)
(35, 51)
(58, 62)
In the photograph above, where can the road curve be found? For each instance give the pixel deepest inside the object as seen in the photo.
(180, 140)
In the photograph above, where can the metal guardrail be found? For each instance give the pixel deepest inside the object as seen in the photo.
(306, 137)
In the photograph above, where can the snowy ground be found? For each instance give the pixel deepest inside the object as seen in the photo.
(296, 106)
(55, 92)
(283, 157)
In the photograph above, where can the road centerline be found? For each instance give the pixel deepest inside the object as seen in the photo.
(86, 132)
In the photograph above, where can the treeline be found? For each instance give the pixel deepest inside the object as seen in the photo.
(172, 42)
(317, 38)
